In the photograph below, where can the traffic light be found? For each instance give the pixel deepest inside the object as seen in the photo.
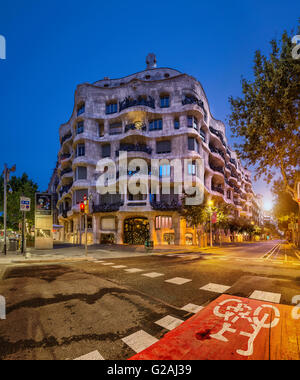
(82, 207)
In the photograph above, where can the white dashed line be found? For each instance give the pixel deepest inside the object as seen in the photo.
(169, 322)
(91, 356)
(108, 264)
(191, 308)
(139, 341)
(216, 288)
(178, 281)
(266, 296)
(119, 266)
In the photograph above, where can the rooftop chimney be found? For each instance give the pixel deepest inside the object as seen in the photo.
(151, 61)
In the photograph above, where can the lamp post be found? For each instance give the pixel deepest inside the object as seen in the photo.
(6, 179)
(210, 204)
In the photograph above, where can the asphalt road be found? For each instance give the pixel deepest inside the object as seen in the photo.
(64, 311)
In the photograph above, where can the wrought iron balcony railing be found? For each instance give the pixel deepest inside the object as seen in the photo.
(140, 101)
(66, 137)
(218, 134)
(164, 205)
(107, 207)
(192, 100)
(135, 127)
(218, 189)
(217, 168)
(213, 149)
(66, 171)
(64, 189)
(65, 156)
(134, 148)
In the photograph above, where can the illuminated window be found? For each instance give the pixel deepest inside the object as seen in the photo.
(163, 222)
(192, 169)
(165, 170)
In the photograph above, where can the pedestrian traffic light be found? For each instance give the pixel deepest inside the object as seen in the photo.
(82, 207)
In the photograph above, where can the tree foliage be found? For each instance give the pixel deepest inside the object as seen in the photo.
(18, 186)
(285, 209)
(266, 116)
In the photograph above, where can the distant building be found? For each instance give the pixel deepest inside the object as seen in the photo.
(156, 113)
(257, 209)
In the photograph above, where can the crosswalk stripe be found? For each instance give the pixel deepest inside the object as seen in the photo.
(95, 355)
(216, 288)
(169, 322)
(266, 296)
(139, 341)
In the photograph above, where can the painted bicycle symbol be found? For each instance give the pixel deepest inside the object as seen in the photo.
(264, 317)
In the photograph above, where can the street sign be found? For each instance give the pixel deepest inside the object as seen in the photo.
(25, 204)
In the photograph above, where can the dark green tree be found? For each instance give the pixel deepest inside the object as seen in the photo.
(17, 187)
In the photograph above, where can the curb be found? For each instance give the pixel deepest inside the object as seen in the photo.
(37, 261)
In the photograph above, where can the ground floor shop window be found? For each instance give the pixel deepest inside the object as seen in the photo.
(107, 239)
(189, 239)
(169, 239)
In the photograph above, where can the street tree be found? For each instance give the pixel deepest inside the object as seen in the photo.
(17, 187)
(285, 209)
(266, 117)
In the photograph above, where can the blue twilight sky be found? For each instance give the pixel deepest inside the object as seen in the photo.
(54, 45)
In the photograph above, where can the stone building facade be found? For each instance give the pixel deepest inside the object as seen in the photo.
(158, 113)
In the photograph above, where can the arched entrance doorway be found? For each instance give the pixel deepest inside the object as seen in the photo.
(136, 231)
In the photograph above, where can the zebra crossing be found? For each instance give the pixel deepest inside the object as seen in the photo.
(141, 339)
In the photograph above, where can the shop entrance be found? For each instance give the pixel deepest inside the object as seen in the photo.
(136, 231)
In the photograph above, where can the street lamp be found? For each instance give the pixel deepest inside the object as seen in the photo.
(6, 173)
(210, 204)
